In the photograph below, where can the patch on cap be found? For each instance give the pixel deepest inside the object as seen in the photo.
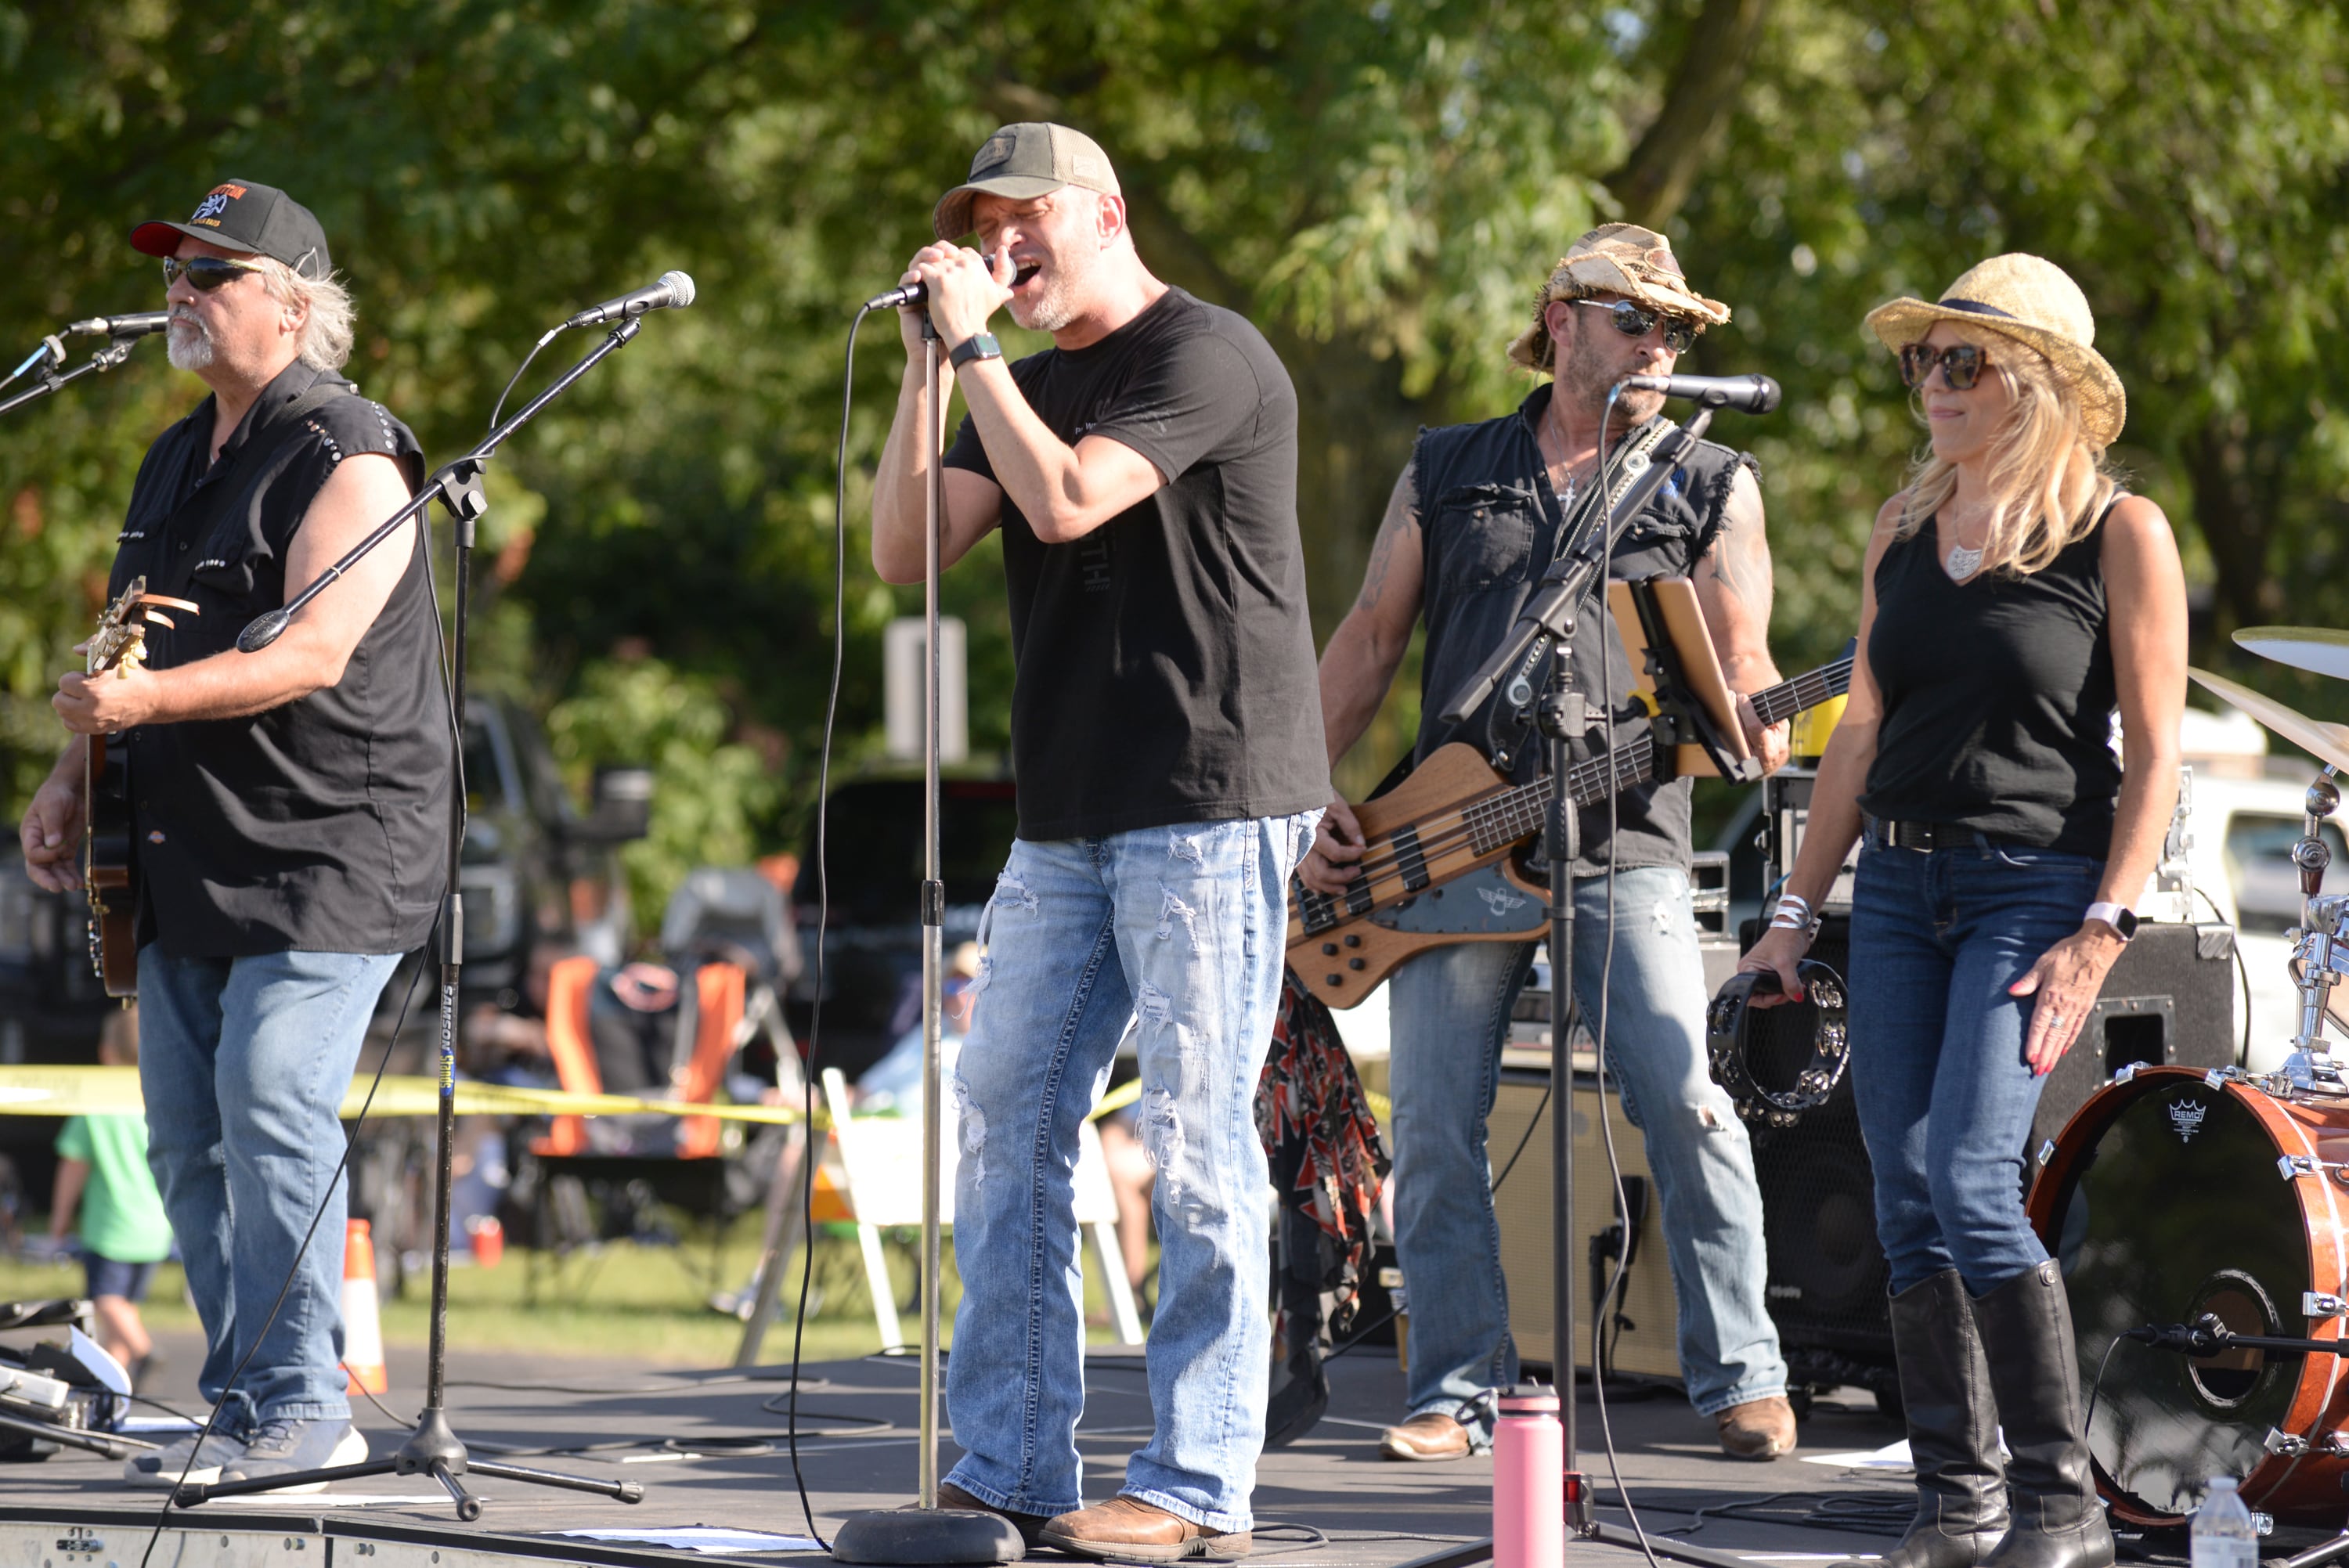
(215, 202)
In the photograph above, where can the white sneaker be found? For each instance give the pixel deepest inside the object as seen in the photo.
(284, 1446)
(162, 1467)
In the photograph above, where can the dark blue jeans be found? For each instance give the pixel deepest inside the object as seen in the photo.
(1945, 1093)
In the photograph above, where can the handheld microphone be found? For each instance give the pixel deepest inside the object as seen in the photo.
(674, 292)
(917, 292)
(1746, 393)
(138, 323)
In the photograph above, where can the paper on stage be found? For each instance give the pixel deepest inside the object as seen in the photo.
(1892, 1456)
(703, 1538)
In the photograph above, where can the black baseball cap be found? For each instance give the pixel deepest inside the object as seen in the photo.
(239, 215)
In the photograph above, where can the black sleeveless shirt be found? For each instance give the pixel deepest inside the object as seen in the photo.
(1998, 697)
(1489, 524)
(321, 825)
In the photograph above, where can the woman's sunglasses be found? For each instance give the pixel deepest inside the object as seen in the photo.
(1962, 365)
(1636, 321)
(204, 274)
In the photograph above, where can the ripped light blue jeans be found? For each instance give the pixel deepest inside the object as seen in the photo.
(1182, 926)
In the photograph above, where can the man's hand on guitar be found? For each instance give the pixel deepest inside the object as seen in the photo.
(1768, 745)
(105, 704)
(1329, 865)
(51, 832)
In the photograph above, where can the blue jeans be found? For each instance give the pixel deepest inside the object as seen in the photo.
(1450, 1010)
(244, 1063)
(1945, 1097)
(1182, 926)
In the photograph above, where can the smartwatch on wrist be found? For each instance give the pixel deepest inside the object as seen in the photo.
(978, 346)
(2123, 921)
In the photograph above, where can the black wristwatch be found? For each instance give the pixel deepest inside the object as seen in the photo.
(2121, 920)
(978, 346)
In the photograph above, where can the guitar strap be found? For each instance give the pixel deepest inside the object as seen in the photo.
(1516, 704)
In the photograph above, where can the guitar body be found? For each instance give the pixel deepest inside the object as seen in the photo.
(105, 871)
(1493, 903)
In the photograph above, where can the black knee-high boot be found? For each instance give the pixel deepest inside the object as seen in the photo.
(1945, 1394)
(2026, 1337)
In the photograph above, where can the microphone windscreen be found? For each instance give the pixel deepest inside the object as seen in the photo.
(680, 288)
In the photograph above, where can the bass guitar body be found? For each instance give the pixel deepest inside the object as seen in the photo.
(1437, 865)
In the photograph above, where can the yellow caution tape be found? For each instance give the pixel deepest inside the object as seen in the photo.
(114, 1091)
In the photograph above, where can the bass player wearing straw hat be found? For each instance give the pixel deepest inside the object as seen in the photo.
(2016, 597)
(1475, 519)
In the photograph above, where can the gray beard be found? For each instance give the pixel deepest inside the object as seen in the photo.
(1055, 306)
(188, 346)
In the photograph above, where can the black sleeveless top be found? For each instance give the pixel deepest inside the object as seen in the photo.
(1998, 697)
(1489, 524)
(321, 825)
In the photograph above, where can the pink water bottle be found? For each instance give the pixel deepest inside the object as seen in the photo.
(1528, 1480)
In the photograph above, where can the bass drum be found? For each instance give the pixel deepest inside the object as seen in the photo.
(2164, 1199)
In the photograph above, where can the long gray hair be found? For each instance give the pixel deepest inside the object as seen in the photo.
(328, 315)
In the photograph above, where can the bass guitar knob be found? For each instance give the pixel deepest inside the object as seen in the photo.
(1333, 980)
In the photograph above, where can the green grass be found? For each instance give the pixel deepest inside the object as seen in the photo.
(622, 1301)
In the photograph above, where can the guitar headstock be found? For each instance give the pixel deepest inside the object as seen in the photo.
(119, 642)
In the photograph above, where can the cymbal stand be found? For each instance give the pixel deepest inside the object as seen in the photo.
(2320, 945)
(433, 1448)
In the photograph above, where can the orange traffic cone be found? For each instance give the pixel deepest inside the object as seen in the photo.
(362, 1318)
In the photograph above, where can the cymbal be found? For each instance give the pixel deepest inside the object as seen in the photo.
(2328, 741)
(2315, 648)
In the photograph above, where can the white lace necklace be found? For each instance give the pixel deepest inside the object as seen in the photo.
(1961, 563)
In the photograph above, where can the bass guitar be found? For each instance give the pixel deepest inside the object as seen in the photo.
(119, 644)
(1436, 864)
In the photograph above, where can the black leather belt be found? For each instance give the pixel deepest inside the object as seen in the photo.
(1925, 836)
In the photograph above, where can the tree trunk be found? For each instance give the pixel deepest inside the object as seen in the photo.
(2235, 494)
(1655, 180)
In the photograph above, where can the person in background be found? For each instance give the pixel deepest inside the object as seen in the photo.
(894, 1082)
(103, 1181)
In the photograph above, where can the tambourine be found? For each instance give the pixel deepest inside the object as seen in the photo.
(1729, 1044)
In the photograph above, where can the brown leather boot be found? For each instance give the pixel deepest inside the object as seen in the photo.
(1131, 1531)
(1757, 1430)
(1430, 1435)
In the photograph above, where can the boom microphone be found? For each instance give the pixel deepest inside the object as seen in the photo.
(138, 323)
(674, 292)
(1746, 393)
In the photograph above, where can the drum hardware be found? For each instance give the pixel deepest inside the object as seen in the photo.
(2292, 1166)
(2208, 1335)
(2322, 1303)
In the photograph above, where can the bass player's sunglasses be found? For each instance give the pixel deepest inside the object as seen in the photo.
(204, 273)
(1637, 321)
(1962, 365)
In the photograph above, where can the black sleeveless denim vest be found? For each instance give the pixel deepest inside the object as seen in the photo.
(1489, 525)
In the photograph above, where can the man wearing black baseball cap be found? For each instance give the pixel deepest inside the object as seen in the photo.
(289, 807)
(1166, 727)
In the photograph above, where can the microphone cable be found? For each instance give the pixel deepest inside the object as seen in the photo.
(813, 1150)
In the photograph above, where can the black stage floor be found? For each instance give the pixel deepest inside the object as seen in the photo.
(669, 1429)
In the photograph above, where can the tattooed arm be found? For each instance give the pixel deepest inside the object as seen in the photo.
(1358, 666)
(1732, 584)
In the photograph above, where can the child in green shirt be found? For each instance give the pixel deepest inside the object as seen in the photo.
(103, 1174)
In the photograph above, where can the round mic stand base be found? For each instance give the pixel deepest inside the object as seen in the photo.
(921, 1536)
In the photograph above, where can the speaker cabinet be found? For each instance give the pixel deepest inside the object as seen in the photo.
(2170, 998)
(1642, 1341)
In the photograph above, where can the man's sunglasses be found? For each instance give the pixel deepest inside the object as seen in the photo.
(1962, 365)
(1636, 321)
(204, 273)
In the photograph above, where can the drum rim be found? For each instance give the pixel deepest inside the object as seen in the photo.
(2317, 1405)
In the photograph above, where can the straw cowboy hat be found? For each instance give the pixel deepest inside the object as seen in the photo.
(1615, 258)
(2035, 302)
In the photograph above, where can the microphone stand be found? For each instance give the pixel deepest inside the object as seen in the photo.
(52, 354)
(433, 1448)
(926, 1534)
(1563, 715)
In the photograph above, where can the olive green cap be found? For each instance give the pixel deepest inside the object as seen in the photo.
(1022, 162)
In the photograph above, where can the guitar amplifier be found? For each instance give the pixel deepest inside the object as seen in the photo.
(2170, 998)
(1641, 1336)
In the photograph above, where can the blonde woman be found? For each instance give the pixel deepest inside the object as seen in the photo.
(2014, 598)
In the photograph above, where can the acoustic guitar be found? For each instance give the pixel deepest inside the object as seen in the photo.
(119, 644)
(1436, 866)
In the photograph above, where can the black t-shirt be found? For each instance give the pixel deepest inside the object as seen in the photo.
(321, 825)
(1165, 662)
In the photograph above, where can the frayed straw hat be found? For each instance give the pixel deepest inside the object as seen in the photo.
(1615, 258)
(2035, 302)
